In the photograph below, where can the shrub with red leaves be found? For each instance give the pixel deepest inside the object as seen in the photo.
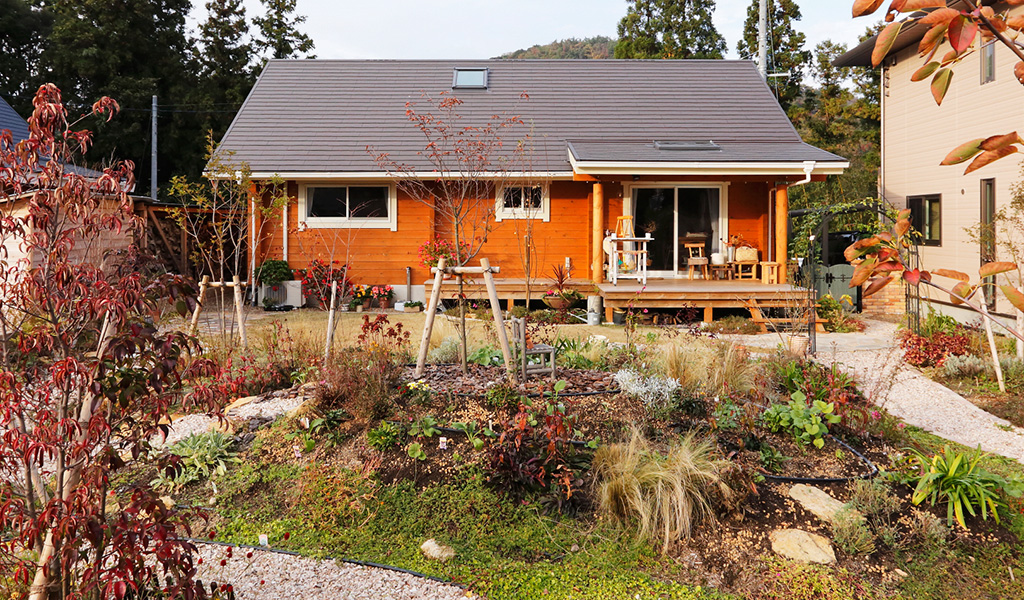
(933, 350)
(86, 377)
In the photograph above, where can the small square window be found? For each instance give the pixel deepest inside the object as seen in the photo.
(926, 217)
(470, 78)
(523, 202)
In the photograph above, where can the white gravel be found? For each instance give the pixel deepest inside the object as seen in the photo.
(906, 393)
(267, 406)
(274, 576)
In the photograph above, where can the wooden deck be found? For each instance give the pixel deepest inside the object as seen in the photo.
(658, 293)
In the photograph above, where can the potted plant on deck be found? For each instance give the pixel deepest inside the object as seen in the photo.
(413, 307)
(560, 296)
(382, 294)
(361, 297)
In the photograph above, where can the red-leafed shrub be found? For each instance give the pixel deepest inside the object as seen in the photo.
(86, 377)
(931, 351)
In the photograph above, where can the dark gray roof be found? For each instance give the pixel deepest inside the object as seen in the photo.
(12, 121)
(725, 152)
(320, 115)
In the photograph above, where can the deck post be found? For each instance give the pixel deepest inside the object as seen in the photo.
(597, 254)
(781, 231)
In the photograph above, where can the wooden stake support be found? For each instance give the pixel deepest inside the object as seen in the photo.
(239, 312)
(499, 321)
(428, 327)
(330, 321)
(487, 271)
(206, 285)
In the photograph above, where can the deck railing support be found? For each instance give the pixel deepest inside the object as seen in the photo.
(597, 226)
(781, 232)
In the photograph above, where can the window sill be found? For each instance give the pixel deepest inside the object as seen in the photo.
(340, 223)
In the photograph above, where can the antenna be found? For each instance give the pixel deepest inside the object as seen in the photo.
(152, 157)
(762, 43)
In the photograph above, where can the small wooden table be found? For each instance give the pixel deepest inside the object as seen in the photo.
(721, 272)
(745, 270)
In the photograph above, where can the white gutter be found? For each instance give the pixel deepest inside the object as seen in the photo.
(808, 169)
(708, 168)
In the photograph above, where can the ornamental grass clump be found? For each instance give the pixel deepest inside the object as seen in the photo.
(662, 495)
(708, 367)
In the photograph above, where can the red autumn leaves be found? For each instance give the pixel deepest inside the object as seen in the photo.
(879, 261)
(960, 29)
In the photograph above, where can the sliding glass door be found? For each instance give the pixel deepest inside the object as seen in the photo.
(677, 215)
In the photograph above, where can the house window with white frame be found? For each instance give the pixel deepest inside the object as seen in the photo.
(331, 205)
(523, 202)
(926, 217)
(988, 62)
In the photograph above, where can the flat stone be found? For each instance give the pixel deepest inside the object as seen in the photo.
(818, 502)
(434, 551)
(241, 402)
(802, 546)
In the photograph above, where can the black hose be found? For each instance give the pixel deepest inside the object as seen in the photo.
(342, 560)
(866, 460)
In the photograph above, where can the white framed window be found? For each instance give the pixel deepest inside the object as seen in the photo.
(988, 62)
(523, 202)
(356, 205)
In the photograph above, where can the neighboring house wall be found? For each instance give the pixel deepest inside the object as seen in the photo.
(380, 255)
(917, 135)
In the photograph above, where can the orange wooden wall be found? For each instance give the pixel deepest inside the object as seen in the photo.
(381, 255)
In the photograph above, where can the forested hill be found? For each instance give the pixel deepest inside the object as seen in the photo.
(592, 47)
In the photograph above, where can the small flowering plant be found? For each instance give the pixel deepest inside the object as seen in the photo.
(417, 392)
(317, 278)
(361, 293)
(432, 250)
(382, 293)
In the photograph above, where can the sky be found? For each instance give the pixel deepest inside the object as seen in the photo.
(487, 28)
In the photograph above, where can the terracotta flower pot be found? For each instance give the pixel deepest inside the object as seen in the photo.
(558, 302)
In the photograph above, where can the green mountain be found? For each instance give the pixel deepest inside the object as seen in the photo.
(593, 47)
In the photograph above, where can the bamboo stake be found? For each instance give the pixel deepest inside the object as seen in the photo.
(992, 347)
(499, 321)
(330, 321)
(239, 314)
(203, 286)
(428, 327)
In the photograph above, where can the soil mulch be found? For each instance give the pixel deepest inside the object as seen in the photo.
(451, 379)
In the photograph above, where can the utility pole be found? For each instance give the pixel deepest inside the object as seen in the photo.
(152, 156)
(762, 41)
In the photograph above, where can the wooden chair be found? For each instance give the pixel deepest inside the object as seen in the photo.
(525, 350)
(695, 258)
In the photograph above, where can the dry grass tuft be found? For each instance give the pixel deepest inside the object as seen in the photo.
(665, 494)
(708, 367)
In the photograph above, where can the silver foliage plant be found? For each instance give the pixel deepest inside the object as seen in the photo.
(655, 392)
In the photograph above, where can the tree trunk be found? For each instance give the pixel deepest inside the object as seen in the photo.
(462, 326)
(992, 347)
(1020, 332)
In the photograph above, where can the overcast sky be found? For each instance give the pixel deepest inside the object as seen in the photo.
(487, 28)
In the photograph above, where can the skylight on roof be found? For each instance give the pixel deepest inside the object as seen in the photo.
(673, 145)
(469, 79)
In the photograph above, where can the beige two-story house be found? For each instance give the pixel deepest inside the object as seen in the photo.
(984, 99)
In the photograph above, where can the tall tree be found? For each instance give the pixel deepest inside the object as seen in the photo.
(786, 52)
(130, 50)
(669, 29)
(832, 118)
(24, 26)
(279, 35)
(224, 56)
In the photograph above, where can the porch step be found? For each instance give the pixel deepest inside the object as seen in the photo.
(757, 316)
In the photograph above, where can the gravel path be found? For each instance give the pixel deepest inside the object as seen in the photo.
(906, 393)
(875, 360)
(274, 576)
